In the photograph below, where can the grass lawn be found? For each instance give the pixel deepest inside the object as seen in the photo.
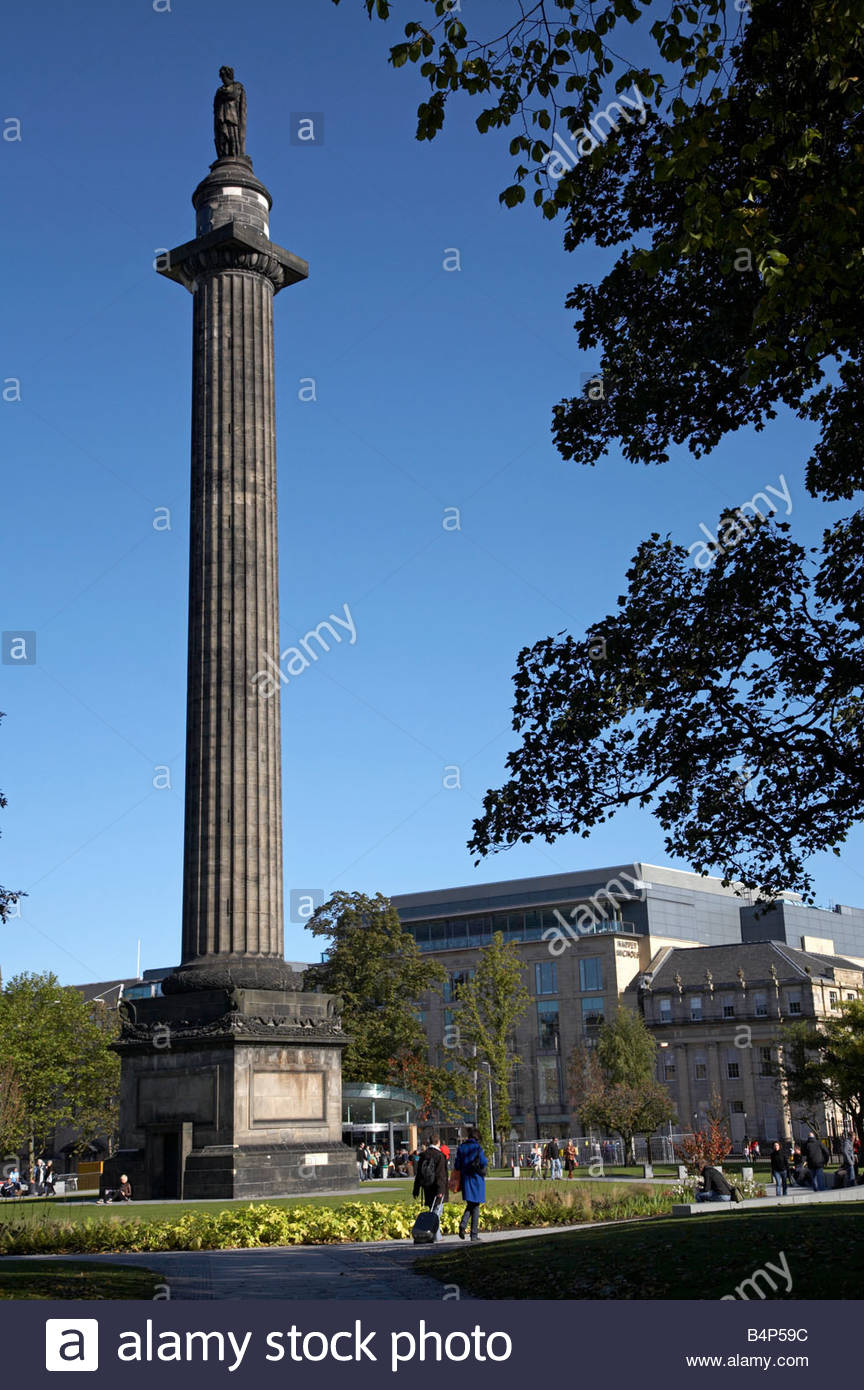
(14, 1212)
(700, 1257)
(72, 1279)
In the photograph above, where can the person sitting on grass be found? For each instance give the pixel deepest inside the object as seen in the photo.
(714, 1188)
(123, 1193)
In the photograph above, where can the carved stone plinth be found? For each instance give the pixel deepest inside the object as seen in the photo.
(232, 1093)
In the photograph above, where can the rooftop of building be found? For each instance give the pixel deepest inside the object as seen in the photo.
(753, 958)
(634, 878)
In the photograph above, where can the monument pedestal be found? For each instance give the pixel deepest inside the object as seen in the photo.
(232, 1093)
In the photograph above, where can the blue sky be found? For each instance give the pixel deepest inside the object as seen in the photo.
(434, 391)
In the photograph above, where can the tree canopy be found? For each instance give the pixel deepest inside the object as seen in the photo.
(489, 1006)
(825, 1064)
(613, 1085)
(723, 164)
(55, 1050)
(374, 965)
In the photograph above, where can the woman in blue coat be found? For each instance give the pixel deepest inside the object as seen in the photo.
(471, 1163)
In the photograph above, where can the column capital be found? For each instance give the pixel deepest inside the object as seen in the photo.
(232, 246)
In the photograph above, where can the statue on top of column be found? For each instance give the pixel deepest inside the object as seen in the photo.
(229, 116)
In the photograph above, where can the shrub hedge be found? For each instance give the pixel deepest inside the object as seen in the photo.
(263, 1224)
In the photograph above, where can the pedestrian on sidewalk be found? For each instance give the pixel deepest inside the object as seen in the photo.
(472, 1166)
(432, 1174)
(817, 1156)
(779, 1169)
(847, 1160)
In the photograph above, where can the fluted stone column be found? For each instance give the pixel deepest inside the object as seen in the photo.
(231, 1079)
(232, 889)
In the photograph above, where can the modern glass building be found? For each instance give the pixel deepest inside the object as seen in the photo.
(585, 939)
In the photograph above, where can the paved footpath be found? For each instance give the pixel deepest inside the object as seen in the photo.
(370, 1269)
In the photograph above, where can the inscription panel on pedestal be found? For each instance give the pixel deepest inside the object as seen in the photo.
(287, 1097)
(177, 1096)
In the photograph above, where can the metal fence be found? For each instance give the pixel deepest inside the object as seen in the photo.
(594, 1153)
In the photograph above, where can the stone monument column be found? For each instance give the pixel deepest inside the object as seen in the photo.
(231, 1077)
(232, 866)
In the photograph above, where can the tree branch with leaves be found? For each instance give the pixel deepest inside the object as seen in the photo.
(734, 201)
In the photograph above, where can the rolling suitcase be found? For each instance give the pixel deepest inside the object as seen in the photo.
(427, 1228)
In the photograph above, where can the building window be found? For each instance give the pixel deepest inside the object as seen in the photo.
(700, 1070)
(695, 1008)
(794, 1001)
(455, 981)
(592, 1014)
(591, 973)
(665, 1010)
(728, 1006)
(733, 1071)
(548, 1087)
(546, 977)
(669, 1070)
(760, 1004)
(850, 994)
(547, 1024)
(832, 999)
(766, 1066)
(736, 1107)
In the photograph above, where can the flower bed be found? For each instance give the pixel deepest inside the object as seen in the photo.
(263, 1224)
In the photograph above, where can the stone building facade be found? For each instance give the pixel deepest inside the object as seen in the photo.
(590, 941)
(718, 1014)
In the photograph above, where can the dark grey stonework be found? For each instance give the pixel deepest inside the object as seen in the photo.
(231, 1080)
(232, 1093)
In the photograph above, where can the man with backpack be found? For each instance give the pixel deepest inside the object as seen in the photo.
(817, 1156)
(431, 1175)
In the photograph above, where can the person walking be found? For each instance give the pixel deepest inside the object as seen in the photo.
(779, 1169)
(472, 1165)
(431, 1177)
(554, 1154)
(847, 1160)
(571, 1162)
(817, 1156)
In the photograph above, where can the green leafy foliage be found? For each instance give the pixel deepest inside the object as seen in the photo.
(13, 1115)
(262, 1224)
(728, 699)
(490, 1005)
(732, 190)
(612, 1085)
(825, 1063)
(374, 966)
(59, 1048)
